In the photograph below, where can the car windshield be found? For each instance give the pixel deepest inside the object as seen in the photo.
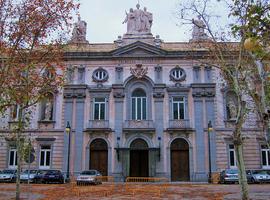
(42, 171)
(232, 171)
(261, 172)
(88, 173)
(52, 172)
(31, 172)
(8, 172)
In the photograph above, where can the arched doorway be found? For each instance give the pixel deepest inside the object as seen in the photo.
(139, 158)
(99, 156)
(179, 160)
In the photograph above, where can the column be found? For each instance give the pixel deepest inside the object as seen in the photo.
(80, 102)
(157, 167)
(68, 112)
(122, 165)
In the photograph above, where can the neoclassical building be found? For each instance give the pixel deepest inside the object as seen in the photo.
(139, 107)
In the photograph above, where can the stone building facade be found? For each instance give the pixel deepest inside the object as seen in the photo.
(137, 107)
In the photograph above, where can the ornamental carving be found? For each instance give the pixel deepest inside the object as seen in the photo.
(138, 71)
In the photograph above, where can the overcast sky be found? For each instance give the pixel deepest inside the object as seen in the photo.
(104, 19)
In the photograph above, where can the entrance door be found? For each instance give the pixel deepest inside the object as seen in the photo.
(179, 160)
(139, 158)
(99, 156)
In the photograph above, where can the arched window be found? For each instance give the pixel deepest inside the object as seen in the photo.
(47, 104)
(138, 105)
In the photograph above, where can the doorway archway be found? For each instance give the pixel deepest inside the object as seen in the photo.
(139, 159)
(99, 156)
(180, 160)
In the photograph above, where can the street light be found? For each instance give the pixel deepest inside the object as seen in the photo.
(68, 129)
(209, 130)
(159, 146)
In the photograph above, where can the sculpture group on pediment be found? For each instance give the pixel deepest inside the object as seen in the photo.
(138, 21)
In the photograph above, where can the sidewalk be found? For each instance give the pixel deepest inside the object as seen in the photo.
(120, 191)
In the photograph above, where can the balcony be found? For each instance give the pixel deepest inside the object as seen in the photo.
(139, 125)
(98, 126)
(179, 125)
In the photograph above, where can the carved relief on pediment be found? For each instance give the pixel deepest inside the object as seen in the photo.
(139, 71)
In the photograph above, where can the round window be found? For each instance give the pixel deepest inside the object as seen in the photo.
(100, 75)
(177, 74)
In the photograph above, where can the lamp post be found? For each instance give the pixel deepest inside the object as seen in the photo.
(159, 146)
(68, 130)
(117, 149)
(209, 130)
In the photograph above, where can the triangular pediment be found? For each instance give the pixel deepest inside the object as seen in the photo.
(138, 49)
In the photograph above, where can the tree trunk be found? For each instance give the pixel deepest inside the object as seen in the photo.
(19, 151)
(242, 171)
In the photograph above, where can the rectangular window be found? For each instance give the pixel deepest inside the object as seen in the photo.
(12, 163)
(99, 108)
(138, 108)
(45, 157)
(265, 156)
(178, 108)
(232, 157)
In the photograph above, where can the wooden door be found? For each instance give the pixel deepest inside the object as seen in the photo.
(99, 156)
(179, 160)
(139, 163)
(139, 158)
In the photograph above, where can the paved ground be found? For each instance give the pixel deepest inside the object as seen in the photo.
(108, 191)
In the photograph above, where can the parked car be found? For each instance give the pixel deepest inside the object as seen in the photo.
(89, 177)
(38, 178)
(31, 175)
(53, 176)
(8, 175)
(259, 176)
(229, 176)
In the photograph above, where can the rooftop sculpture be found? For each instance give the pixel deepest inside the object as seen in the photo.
(138, 21)
(79, 32)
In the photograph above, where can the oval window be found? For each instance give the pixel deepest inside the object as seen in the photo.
(100, 75)
(177, 74)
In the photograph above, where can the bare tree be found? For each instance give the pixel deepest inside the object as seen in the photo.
(32, 34)
(239, 68)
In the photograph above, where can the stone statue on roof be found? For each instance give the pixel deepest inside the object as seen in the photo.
(138, 21)
(198, 29)
(79, 32)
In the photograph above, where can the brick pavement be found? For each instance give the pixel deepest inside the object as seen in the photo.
(135, 191)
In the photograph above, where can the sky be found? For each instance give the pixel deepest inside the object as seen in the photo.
(104, 19)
